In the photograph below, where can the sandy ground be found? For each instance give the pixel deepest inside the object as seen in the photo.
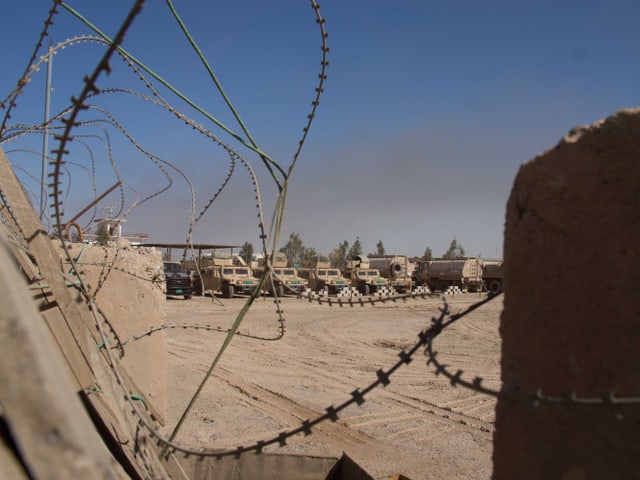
(417, 425)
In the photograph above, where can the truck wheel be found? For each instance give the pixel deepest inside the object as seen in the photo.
(495, 286)
(365, 289)
(280, 289)
(187, 297)
(227, 290)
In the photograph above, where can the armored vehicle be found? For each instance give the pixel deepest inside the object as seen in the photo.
(227, 280)
(227, 274)
(285, 279)
(323, 277)
(367, 280)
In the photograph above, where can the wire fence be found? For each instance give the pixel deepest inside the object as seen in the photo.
(68, 126)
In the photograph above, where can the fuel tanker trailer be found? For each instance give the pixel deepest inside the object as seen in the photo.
(465, 273)
(397, 269)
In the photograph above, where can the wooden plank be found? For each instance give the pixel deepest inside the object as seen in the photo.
(77, 363)
(71, 338)
(46, 419)
(40, 245)
(9, 465)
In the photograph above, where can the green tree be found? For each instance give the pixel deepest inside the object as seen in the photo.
(455, 250)
(339, 255)
(380, 248)
(428, 255)
(308, 256)
(246, 252)
(297, 253)
(356, 248)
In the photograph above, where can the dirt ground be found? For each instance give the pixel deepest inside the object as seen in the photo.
(418, 425)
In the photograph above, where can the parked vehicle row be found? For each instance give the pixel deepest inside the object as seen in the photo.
(230, 275)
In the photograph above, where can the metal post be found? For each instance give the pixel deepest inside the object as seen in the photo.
(45, 134)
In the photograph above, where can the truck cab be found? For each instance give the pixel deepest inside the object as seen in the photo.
(177, 280)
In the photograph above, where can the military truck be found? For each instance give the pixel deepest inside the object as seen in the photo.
(465, 273)
(492, 275)
(285, 279)
(177, 280)
(367, 280)
(323, 277)
(398, 269)
(228, 275)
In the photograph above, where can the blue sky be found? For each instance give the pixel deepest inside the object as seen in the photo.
(428, 111)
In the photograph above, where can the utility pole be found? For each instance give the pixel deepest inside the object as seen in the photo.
(45, 134)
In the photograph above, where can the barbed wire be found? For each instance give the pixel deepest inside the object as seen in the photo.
(24, 78)
(110, 339)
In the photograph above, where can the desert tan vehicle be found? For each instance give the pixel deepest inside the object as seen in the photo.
(228, 280)
(492, 275)
(465, 273)
(228, 274)
(323, 277)
(285, 280)
(398, 269)
(367, 280)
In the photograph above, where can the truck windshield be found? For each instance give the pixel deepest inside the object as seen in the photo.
(172, 268)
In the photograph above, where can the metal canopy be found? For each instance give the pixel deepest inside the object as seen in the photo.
(194, 246)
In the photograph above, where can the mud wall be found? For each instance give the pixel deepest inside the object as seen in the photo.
(127, 284)
(571, 321)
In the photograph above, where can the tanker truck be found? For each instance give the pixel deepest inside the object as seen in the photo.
(492, 275)
(397, 269)
(465, 273)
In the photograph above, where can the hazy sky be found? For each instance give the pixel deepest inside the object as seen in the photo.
(429, 109)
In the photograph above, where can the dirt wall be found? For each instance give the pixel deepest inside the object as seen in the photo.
(572, 310)
(127, 283)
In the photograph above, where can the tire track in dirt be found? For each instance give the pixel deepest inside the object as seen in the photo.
(338, 435)
(419, 424)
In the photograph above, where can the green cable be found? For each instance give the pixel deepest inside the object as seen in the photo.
(135, 396)
(122, 51)
(232, 331)
(266, 160)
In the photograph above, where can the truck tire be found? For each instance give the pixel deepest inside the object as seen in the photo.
(227, 290)
(280, 290)
(364, 289)
(495, 286)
